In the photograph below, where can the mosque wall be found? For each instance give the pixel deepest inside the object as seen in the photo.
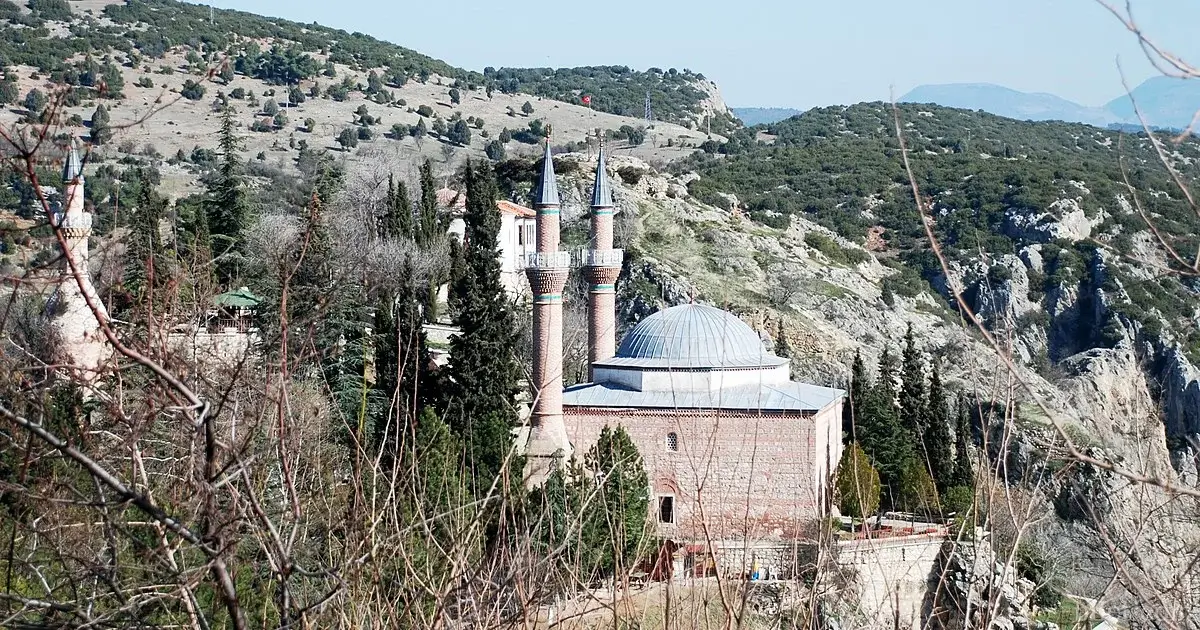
(728, 474)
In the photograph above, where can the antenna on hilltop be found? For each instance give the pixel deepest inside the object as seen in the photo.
(649, 111)
(211, 18)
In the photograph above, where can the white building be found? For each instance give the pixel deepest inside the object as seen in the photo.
(517, 237)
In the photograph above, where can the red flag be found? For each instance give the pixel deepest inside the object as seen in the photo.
(587, 99)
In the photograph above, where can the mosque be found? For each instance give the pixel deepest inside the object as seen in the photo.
(734, 449)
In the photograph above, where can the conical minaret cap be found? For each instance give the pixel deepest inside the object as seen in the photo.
(73, 167)
(602, 189)
(547, 194)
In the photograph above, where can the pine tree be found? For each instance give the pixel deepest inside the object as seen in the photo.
(964, 474)
(614, 527)
(912, 388)
(227, 205)
(856, 403)
(483, 358)
(937, 433)
(397, 218)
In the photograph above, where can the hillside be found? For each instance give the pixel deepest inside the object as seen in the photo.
(58, 30)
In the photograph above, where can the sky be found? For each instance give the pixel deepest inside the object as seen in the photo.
(781, 53)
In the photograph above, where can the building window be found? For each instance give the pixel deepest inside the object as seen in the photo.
(673, 442)
(666, 509)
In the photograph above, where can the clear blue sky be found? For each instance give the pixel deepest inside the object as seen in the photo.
(796, 53)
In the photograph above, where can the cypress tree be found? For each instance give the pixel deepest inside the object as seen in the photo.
(101, 133)
(146, 268)
(880, 431)
(857, 483)
(483, 368)
(964, 475)
(937, 433)
(227, 206)
(782, 347)
(397, 218)
(854, 406)
(912, 388)
(427, 227)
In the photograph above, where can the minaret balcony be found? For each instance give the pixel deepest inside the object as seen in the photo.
(68, 221)
(602, 257)
(548, 260)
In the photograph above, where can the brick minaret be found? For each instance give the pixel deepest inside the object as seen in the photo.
(602, 265)
(76, 325)
(547, 270)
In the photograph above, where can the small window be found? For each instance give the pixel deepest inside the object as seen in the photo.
(521, 236)
(673, 442)
(666, 509)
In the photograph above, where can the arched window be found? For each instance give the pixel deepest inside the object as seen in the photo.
(672, 442)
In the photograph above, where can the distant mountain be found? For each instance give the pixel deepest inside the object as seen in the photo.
(1164, 102)
(751, 116)
(1002, 101)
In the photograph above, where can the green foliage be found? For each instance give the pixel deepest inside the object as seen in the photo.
(960, 500)
(483, 358)
(397, 221)
(455, 96)
(494, 151)
(675, 96)
(880, 430)
(918, 493)
(226, 203)
(425, 111)
(938, 446)
(527, 108)
(964, 474)
(459, 134)
(35, 101)
(348, 138)
(912, 385)
(51, 9)
(857, 483)
(192, 90)
(101, 133)
(1037, 566)
(833, 251)
(615, 529)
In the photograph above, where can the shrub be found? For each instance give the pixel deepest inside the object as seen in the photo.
(365, 133)
(51, 9)
(833, 251)
(494, 150)
(145, 82)
(348, 138)
(527, 108)
(425, 111)
(192, 90)
(455, 96)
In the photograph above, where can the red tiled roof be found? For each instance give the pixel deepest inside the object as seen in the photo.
(508, 207)
(456, 201)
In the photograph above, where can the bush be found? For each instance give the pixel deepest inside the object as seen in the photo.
(425, 111)
(51, 9)
(857, 483)
(527, 108)
(455, 96)
(1037, 566)
(494, 150)
(192, 91)
(348, 139)
(145, 82)
(833, 251)
(365, 133)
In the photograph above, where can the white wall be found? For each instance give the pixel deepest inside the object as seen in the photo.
(691, 380)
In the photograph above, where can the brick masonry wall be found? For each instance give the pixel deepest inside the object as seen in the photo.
(736, 475)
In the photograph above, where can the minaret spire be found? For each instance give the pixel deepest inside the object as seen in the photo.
(77, 326)
(602, 266)
(548, 446)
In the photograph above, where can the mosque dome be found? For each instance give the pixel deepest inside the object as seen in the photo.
(693, 336)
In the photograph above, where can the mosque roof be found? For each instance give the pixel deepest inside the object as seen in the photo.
(692, 337)
(790, 396)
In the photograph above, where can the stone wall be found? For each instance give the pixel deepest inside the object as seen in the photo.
(893, 576)
(735, 475)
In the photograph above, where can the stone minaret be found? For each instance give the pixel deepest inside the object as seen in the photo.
(547, 270)
(78, 329)
(602, 265)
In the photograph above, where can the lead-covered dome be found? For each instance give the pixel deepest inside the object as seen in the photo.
(692, 336)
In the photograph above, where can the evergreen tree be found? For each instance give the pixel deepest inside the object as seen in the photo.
(459, 133)
(964, 475)
(917, 491)
(880, 431)
(9, 92)
(856, 403)
(483, 358)
(427, 227)
(398, 217)
(402, 360)
(912, 387)
(101, 133)
(227, 206)
(937, 433)
(857, 483)
(146, 268)
(614, 527)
